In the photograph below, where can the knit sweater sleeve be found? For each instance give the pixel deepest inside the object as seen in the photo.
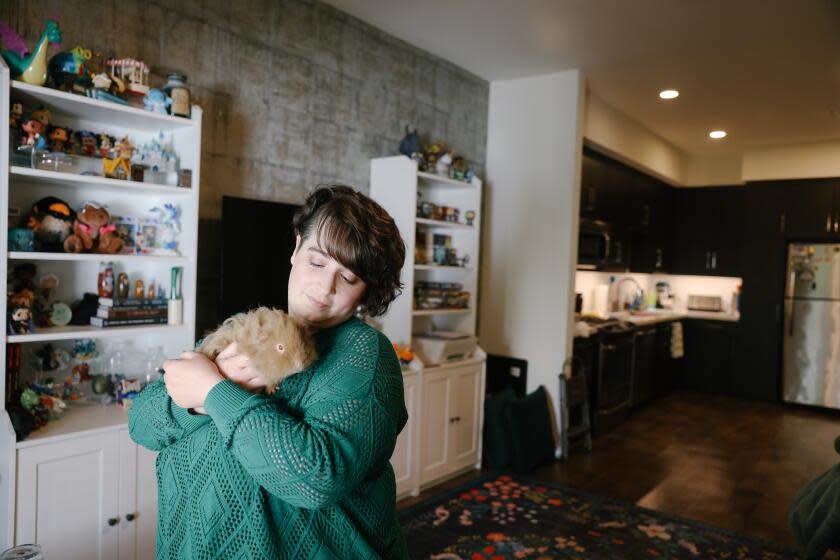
(155, 421)
(344, 430)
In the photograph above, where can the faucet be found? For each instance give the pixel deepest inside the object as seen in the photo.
(640, 293)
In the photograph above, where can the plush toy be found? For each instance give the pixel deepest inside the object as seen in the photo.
(93, 231)
(277, 345)
(52, 221)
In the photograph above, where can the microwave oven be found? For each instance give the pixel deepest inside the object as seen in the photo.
(594, 244)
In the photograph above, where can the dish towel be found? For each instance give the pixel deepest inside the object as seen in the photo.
(677, 350)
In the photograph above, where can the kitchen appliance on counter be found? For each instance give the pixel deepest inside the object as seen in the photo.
(811, 347)
(705, 303)
(664, 297)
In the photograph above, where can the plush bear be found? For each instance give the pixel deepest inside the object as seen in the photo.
(93, 231)
(276, 344)
(52, 221)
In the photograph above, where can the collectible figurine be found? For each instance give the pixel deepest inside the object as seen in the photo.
(93, 231)
(443, 163)
(68, 68)
(169, 227)
(410, 144)
(25, 66)
(88, 142)
(20, 320)
(122, 285)
(430, 155)
(43, 115)
(21, 239)
(119, 167)
(157, 102)
(105, 282)
(470, 216)
(139, 292)
(58, 136)
(276, 344)
(133, 72)
(106, 143)
(34, 139)
(52, 221)
(459, 169)
(16, 114)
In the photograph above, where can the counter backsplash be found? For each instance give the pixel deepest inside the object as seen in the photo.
(681, 286)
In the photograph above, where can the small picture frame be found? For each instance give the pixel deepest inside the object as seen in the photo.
(127, 227)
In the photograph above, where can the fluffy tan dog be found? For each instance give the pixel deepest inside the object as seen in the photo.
(276, 344)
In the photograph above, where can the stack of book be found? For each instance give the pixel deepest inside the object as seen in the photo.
(126, 312)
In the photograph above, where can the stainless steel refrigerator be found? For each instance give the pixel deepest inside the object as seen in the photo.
(812, 325)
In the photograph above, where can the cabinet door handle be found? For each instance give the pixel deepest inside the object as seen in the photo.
(658, 257)
(714, 260)
(708, 258)
(129, 517)
(836, 223)
(828, 223)
(113, 521)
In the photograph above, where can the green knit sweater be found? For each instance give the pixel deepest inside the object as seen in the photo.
(301, 474)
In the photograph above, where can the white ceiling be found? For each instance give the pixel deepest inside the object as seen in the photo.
(767, 71)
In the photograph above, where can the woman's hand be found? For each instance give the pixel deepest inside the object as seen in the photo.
(189, 378)
(238, 368)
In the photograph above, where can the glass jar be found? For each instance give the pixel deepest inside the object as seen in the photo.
(176, 88)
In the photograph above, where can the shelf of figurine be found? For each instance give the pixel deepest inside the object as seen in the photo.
(429, 211)
(440, 295)
(53, 226)
(57, 378)
(36, 142)
(435, 158)
(125, 81)
(437, 249)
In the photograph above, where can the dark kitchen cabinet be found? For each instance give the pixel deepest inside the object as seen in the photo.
(708, 230)
(709, 360)
(758, 360)
(652, 239)
(813, 209)
(644, 365)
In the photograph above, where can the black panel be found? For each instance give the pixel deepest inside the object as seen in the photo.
(257, 245)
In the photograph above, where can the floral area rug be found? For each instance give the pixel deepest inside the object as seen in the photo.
(503, 516)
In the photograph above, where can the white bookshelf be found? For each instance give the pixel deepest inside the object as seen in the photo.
(22, 186)
(433, 447)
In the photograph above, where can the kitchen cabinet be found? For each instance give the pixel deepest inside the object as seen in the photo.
(708, 231)
(652, 239)
(708, 365)
(644, 365)
(813, 209)
(452, 405)
(404, 459)
(759, 343)
(93, 496)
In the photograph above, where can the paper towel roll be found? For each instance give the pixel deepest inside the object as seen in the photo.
(601, 299)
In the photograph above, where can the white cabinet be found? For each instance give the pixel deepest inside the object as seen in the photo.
(75, 458)
(404, 459)
(80, 498)
(445, 401)
(451, 418)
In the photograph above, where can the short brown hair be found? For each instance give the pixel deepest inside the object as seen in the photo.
(357, 232)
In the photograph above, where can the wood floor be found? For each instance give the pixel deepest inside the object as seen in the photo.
(730, 463)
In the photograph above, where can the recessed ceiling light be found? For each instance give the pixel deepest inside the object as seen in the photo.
(717, 134)
(669, 94)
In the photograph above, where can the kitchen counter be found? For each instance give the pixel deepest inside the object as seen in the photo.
(653, 316)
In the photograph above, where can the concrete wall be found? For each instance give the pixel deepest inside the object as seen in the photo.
(294, 92)
(530, 225)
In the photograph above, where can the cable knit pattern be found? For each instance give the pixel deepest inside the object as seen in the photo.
(301, 474)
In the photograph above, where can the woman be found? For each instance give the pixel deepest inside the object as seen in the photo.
(303, 473)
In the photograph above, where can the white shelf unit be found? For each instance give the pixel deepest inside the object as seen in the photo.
(443, 438)
(22, 186)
